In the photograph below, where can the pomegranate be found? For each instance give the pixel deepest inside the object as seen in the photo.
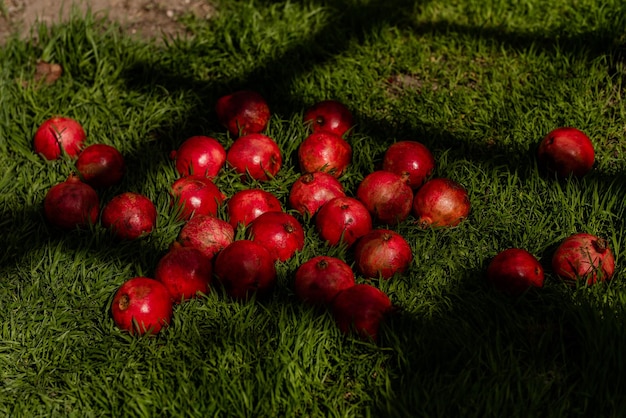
(71, 204)
(59, 134)
(246, 205)
(142, 305)
(387, 197)
(361, 309)
(255, 155)
(583, 256)
(330, 116)
(324, 151)
(318, 280)
(206, 233)
(245, 268)
(411, 160)
(185, 271)
(309, 192)
(199, 155)
(441, 202)
(513, 271)
(196, 195)
(566, 151)
(129, 215)
(382, 253)
(279, 232)
(343, 219)
(101, 165)
(243, 112)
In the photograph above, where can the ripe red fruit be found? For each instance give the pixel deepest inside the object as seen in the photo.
(387, 196)
(513, 271)
(243, 112)
(343, 219)
(566, 151)
(59, 133)
(199, 155)
(324, 151)
(410, 159)
(196, 195)
(245, 268)
(312, 190)
(141, 306)
(185, 271)
(382, 253)
(318, 280)
(361, 309)
(206, 233)
(246, 205)
(441, 202)
(71, 204)
(129, 215)
(101, 165)
(256, 156)
(583, 256)
(279, 232)
(330, 116)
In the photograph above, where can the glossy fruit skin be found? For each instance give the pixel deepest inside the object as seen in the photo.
(101, 165)
(245, 268)
(318, 280)
(566, 151)
(145, 301)
(59, 133)
(330, 116)
(583, 256)
(343, 219)
(361, 309)
(324, 151)
(441, 202)
(129, 216)
(515, 270)
(387, 197)
(71, 204)
(243, 112)
(196, 195)
(309, 192)
(185, 271)
(246, 205)
(382, 253)
(279, 232)
(199, 155)
(410, 159)
(207, 233)
(256, 156)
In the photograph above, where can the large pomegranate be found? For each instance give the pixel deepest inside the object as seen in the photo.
(255, 156)
(324, 151)
(513, 271)
(200, 155)
(441, 202)
(309, 192)
(129, 215)
(318, 280)
(583, 256)
(410, 159)
(243, 112)
(279, 232)
(329, 115)
(101, 165)
(387, 196)
(246, 205)
(207, 233)
(59, 134)
(361, 309)
(382, 253)
(566, 151)
(343, 220)
(185, 271)
(196, 195)
(71, 204)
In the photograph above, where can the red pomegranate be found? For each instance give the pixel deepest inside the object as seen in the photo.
(58, 134)
(583, 256)
(279, 232)
(330, 116)
(513, 271)
(309, 192)
(441, 202)
(382, 253)
(243, 112)
(361, 309)
(199, 155)
(387, 197)
(324, 151)
(318, 280)
(207, 233)
(566, 151)
(411, 160)
(255, 156)
(185, 271)
(343, 220)
(71, 204)
(101, 165)
(246, 205)
(129, 215)
(196, 195)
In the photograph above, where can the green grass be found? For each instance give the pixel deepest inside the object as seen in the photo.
(478, 82)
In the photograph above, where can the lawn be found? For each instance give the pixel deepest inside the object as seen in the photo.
(478, 82)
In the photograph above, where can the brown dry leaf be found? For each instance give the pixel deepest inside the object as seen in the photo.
(47, 72)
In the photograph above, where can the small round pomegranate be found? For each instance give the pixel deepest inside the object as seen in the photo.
(411, 160)
(71, 204)
(246, 205)
(361, 309)
(245, 268)
(441, 202)
(196, 195)
(324, 151)
(330, 116)
(243, 112)
(256, 156)
(142, 305)
(129, 215)
(387, 197)
(382, 253)
(583, 256)
(279, 232)
(312, 190)
(199, 155)
(207, 233)
(566, 151)
(59, 134)
(513, 271)
(318, 280)
(185, 271)
(343, 220)
(101, 165)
